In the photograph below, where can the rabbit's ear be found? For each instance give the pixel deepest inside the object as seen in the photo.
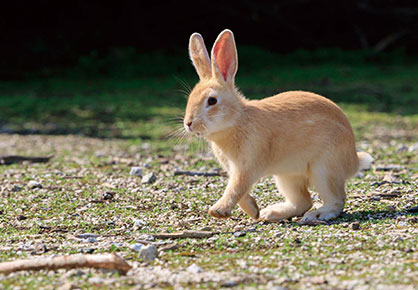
(224, 57)
(199, 56)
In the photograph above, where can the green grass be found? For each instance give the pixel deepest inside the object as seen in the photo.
(127, 105)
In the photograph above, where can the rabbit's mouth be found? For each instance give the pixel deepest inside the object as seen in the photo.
(197, 128)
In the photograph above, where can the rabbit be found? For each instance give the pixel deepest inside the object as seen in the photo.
(300, 138)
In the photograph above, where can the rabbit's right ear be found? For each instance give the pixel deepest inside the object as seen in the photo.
(199, 56)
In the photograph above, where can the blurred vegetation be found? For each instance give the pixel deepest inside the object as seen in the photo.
(126, 94)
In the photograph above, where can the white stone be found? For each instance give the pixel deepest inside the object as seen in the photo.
(148, 252)
(137, 171)
(136, 247)
(34, 184)
(149, 178)
(193, 268)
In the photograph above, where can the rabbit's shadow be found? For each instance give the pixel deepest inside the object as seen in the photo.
(371, 215)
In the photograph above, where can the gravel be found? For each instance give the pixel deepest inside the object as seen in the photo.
(84, 198)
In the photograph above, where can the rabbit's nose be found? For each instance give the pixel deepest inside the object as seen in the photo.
(188, 125)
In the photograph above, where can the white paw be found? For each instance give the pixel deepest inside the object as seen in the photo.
(220, 211)
(320, 214)
(273, 213)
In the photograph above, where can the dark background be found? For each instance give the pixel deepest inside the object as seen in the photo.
(39, 34)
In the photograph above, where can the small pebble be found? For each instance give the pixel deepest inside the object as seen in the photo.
(193, 268)
(21, 217)
(68, 286)
(149, 178)
(136, 247)
(34, 184)
(146, 237)
(231, 283)
(88, 250)
(148, 252)
(16, 188)
(86, 236)
(413, 147)
(92, 240)
(402, 148)
(239, 234)
(118, 245)
(139, 223)
(390, 178)
(355, 225)
(95, 280)
(108, 195)
(39, 248)
(137, 171)
(146, 146)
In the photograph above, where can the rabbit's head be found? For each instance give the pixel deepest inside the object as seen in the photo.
(214, 104)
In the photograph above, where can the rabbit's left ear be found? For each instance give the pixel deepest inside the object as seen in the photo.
(224, 57)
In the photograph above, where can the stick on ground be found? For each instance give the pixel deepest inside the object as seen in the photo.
(196, 173)
(105, 261)
(184, 234)
(10, 159)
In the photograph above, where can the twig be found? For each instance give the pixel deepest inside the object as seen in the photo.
(10, 159)
(196, 173)
(184, 234)
(105, 261)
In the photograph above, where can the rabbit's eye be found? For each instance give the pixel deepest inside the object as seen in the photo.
(212, 101)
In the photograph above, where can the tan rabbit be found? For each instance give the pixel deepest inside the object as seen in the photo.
(300, 138)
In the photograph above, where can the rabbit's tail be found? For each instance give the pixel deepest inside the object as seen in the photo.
(365, 160)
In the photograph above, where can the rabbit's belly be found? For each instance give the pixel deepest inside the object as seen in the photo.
(289, 166)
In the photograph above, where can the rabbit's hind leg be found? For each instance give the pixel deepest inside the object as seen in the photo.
(298, 200)
(330, 187)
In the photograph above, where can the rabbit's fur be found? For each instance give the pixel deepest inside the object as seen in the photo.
(300, 138)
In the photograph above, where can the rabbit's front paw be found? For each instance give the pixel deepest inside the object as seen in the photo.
(270, 214)
(322, 214)
(220, 211)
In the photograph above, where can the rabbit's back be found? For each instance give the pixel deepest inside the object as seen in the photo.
(299, 126)
(298, 109)
(302, 105)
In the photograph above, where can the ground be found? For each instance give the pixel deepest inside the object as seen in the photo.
(87, 188)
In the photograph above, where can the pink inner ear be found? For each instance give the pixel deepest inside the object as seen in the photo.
(223, 55)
